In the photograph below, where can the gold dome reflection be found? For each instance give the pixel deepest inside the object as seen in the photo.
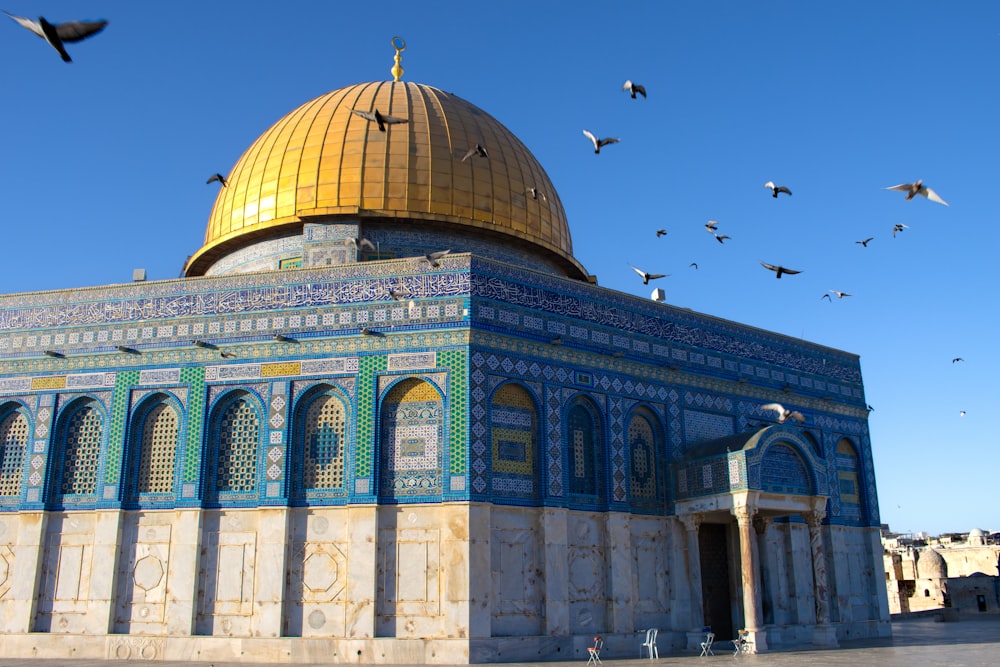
(323, 160)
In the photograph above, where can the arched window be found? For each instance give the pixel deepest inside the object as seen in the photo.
(848, 483)
(237, 423)
(514, 434)
(13, 441)
(584, 441)
(411, 440)
(82, 434)
(642, 458)
(155, 441)
(321, 430)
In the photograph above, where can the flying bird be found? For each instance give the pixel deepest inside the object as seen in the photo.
(475, 150)
(956, 359)
(694, 264)
(599, 142)
(217, 177)
(720, 237)
(378, 118)
(898, 228)
(646, 277)
(398, 295)
(918, 188)
(361, 243)
(961, 413)
(433, 257)
(661, 232)
(58, 33)
(784, 413)
(535, 193)
(634, 88)
(840, 295)
(711, 226)
(775, 189)
(779, 270)
(865, 242)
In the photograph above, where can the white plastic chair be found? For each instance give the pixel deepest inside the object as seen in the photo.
(650, 644)
(706, 646)
(742, 645)
(595, 651)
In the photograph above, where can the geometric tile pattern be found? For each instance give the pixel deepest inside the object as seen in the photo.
(584, 434)
(458, 408)
(847, 481)
(158, 449)
(368, 367)
(238, 443)
(116, 434)
(82, 449)
(619, 472)
(478, 428)
(193, 377)
(642, 447)
(13, 443)
(783, 471)
(411, 441)
(514, 429)
(624, 314)
(553, 417)
(323, 446)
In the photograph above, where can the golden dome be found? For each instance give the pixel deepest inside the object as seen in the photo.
(321, 161)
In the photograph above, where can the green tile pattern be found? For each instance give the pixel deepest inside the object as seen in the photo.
(194, 377)
(124, 381)
(458, 408)
(368, 367)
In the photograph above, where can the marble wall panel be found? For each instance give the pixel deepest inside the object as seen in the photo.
(518, 578)
(588, 575)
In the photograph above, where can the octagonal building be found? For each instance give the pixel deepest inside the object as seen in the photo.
(334, 441)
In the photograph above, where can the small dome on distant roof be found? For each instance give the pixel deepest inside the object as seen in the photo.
(931, 565)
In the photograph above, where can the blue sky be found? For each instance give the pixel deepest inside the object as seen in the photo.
(104, 164)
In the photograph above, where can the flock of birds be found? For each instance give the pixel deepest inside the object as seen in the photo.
(911, 190)
(57, 35)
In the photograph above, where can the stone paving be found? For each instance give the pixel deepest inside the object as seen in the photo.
(972, 642)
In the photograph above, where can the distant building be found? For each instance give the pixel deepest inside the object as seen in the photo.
(331, 441)
(958, 571)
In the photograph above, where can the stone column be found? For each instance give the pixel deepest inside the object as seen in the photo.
(749, 559)
(691, 522)
(692, 555)
(765, 593)
(823, 633)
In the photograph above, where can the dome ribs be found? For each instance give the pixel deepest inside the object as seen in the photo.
(323, 160)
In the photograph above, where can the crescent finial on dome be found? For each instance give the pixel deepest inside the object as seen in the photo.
(399, 44)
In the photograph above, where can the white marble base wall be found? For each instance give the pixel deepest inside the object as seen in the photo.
(443, 583)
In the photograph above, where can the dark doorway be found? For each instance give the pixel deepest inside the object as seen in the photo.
(981, 602)
(712, 546)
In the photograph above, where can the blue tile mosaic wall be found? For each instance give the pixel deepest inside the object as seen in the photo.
(484, 323)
